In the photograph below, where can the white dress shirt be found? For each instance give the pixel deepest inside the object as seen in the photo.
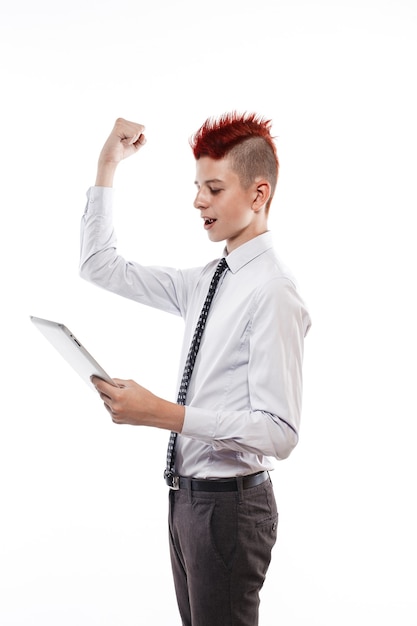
(244, 400)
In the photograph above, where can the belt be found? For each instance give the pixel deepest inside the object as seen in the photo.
(223, 484)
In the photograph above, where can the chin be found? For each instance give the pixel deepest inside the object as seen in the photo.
(216, 238)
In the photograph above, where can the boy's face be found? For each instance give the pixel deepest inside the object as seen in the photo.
(225, 206)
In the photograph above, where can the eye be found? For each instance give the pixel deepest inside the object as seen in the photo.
(214, 191)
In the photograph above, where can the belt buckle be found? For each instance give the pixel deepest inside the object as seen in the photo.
(172, 481)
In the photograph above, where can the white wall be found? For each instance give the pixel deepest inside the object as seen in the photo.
(83, 504)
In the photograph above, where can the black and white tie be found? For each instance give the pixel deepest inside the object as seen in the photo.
(169, 473)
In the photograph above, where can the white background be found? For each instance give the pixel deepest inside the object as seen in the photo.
(83, 505)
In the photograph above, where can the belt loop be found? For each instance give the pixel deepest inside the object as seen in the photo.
(189, 491)
(239, 481)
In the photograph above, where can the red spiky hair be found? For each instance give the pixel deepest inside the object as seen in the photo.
(217, 136)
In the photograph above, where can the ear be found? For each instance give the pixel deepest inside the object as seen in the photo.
(262, 193)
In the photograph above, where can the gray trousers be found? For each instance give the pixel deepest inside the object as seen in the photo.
(220, 547)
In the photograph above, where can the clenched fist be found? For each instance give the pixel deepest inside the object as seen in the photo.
(125, 139)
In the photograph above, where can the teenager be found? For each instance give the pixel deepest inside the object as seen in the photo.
(240, 384)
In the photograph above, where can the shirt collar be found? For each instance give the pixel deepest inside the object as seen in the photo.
(248, 251)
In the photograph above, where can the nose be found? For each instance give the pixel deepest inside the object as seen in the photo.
(200, 201)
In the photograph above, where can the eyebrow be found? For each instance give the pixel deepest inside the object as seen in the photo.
(210, 180)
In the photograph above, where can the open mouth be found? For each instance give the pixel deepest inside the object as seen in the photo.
(208, 221)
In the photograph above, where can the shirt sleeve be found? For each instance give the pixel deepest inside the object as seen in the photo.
(270, 424)
(160, 287)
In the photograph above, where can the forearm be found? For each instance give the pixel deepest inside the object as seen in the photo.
(130, 403)
(256, 432)
(105, 174)
(164, 414)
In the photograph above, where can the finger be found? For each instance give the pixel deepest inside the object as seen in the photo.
(114, 416)
(110, 411)
(140, 141)
(128, 130)
(136, 142)
(121, 383)
(137, 138)
(99, 383)
(106, 399)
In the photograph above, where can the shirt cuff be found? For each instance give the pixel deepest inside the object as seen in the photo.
(199, 424)
(100, 200)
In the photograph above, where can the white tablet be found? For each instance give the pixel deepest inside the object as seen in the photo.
(72, 350)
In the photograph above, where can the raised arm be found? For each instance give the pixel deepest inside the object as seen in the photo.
(129, 403)
(125, 139)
